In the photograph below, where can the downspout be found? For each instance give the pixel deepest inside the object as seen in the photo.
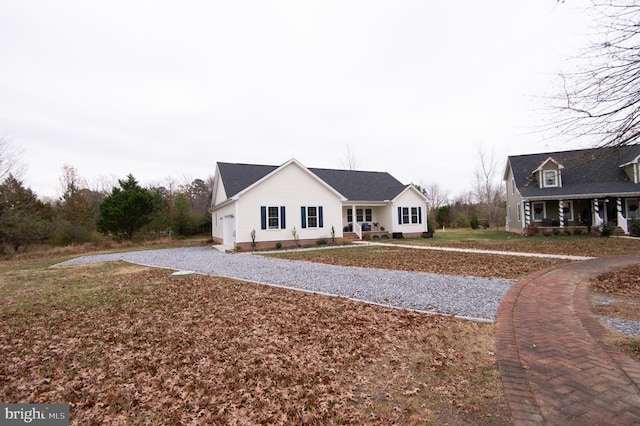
(236, 221)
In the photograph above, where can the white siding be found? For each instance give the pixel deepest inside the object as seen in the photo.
(218, 218)
(409, 199)
(291, 187)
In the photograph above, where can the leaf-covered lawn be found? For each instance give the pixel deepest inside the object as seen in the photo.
(622, 287)
(571, 245)
(136, 347)
(436, 262)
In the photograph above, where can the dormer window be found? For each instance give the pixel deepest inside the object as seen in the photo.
(632, 169)
(550, 178)
(548, 174)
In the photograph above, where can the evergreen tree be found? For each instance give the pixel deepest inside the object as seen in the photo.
(24, 219)
(126, 209)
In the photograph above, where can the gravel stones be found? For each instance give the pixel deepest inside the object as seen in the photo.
(471, 297)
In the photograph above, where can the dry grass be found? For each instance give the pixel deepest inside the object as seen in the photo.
(125, 344)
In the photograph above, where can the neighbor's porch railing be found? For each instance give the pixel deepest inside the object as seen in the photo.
(622, 223)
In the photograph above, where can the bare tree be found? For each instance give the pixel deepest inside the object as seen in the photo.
(10, 159)
(486, 177)
(436, 196)
(104, 184)
(601, 100)
(489, 192)
(350, 161)
(70, 180)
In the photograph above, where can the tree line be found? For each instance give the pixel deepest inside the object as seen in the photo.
(81, 215)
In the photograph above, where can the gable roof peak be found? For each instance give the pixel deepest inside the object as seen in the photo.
(355, 185)
(549, 160)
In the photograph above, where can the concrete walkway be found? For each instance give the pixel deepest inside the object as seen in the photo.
(480, 251)
(554, 365)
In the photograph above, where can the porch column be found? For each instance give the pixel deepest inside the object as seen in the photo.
(561, 211)
(527, 213)
(356, 228)
(597, 220)
(621, 220)
(619, 206)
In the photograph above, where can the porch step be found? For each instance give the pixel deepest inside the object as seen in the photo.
(351, 236)
(618, 232)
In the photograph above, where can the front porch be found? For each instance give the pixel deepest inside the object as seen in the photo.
(364, 222)
(579, 216)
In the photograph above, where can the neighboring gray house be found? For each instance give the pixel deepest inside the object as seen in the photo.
(573, 189)
(268, 203)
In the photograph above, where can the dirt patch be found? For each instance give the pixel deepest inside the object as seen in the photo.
(622, 291)
(140, 348)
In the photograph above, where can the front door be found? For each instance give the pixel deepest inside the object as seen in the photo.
(608, 210)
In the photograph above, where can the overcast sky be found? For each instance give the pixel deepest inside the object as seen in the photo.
(168, 88)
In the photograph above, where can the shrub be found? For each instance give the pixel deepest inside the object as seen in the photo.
(532, 230)
(607, 229)
(321, 242)
(556, 232)
(430, 227)
(475, 223)
(278, 246)
(376, 237)
(634, 228)
(384, 237)
(577, 231)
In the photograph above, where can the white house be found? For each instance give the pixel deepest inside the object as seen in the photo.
(291, 204)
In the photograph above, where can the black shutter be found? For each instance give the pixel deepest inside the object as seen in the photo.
(303, 214)
(283, 222)
(320, 219)
(263, 217)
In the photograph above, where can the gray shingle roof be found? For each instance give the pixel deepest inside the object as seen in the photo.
(586, 172)
(352, 184)
(238, 177)
(362, 186)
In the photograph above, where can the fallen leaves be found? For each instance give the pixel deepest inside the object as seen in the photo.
(141, 348)
(435, 262)
(622, 291)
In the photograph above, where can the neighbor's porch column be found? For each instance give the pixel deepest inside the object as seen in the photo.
(619, 206)
(527, 213)
(597, 220)
(621, 220)
(561, 211)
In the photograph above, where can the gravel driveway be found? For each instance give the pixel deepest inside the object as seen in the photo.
(476, 298)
